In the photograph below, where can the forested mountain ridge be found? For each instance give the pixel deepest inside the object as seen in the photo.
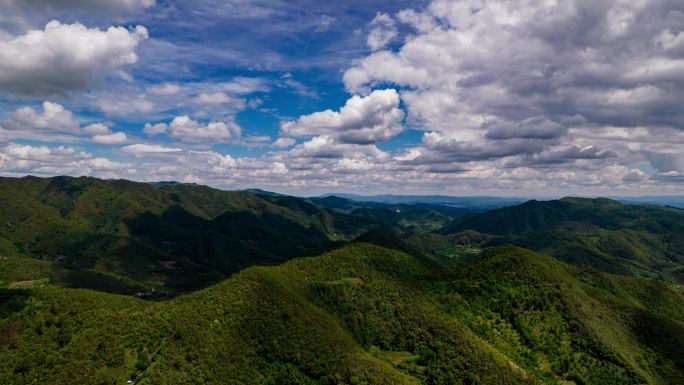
(639, 240)
(384, 303)
(359, 315)
(167, 238)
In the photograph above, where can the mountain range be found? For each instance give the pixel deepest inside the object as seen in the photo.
(491, 202)
(110, 281)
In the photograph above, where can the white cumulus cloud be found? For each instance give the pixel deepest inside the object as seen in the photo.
(99, 128)
(492, 80)
(144, 148)
(283, 143)
(362, 120)
(64, 57)
(115, 138)
(383, 32)
(218, 98)
(155, 129)
(54, 117)
(188, 130)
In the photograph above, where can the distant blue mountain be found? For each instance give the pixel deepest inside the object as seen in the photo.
(170, 183)
(491, 202)
(475, 202)
(263, 192)
(672, 201)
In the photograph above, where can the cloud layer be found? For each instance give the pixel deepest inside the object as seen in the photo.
(456, 97)
(516, 82)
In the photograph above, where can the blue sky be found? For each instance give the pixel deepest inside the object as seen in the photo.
(307, 97)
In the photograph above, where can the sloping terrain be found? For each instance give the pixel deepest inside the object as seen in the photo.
(358, 315)
(414, 217)
(415, 307)
(600, 233)
(164, 239)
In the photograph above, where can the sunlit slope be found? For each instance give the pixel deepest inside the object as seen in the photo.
(266, 324)
(167, 238)
(359, 315)
(560, 322)
(600, 233)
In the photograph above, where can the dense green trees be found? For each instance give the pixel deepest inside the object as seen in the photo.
(163, 239)
(159, 239)
(415, 307)
(358, 315)
(636, 240)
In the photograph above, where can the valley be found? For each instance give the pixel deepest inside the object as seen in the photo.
(104, 282)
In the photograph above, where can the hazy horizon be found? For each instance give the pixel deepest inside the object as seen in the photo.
(352, 194)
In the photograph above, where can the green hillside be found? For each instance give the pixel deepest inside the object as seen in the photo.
(160, 239)
(636, 240)
(358, 315)
(398, 305)
(416, 217)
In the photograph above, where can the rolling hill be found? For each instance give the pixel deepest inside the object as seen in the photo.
(414, 217)
(358, 315)
(164, 238)
(479, 203)
(160, 239)
(384, 302)
(638, 240)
